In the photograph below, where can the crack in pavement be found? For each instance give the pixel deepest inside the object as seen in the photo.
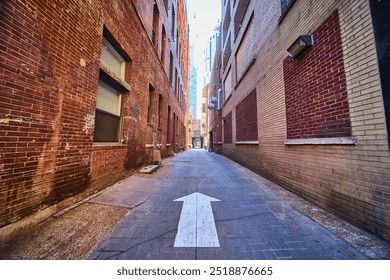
(138, 244)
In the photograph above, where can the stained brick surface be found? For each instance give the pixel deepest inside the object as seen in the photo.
(49, 72)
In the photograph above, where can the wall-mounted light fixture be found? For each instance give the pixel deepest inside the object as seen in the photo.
(211, 106)
(219, 99)
(300, 45)
(213, 99)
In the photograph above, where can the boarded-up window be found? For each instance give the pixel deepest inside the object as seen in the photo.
(245, 54)
(316, 89)
(246, 118)
(228, 129)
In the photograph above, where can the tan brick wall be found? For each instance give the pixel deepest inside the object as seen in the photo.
(349, 180)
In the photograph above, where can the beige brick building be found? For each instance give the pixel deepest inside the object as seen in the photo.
(315, 121)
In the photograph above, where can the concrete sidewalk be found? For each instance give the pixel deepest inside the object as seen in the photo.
(138, 218)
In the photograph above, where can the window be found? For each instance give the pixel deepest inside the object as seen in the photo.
(380, 11)
(166, 5)
(108, 114)
(169, 125)
(246, 120)
(111, 58)
(174, 128)
(173, 23)
(175, 84)
(163, 42)
(227, 52)
(170, 66)
(160, 102)
(285, 5)
(245, 54)
(177, 46)
(111, 87)
(226, 22)
(156, 17)
(227, 84)
(150, 106)
(239, 16)
(316, 88)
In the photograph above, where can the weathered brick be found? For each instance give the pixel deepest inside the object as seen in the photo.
(49, 61)
(344, 179)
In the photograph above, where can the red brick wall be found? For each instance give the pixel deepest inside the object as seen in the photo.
(228, 129)
(315, 87)
(49, 72)
(246, 118)
(216, 128)
(45, 154)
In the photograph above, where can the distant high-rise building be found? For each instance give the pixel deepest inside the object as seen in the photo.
(193, 84)
(210, 52)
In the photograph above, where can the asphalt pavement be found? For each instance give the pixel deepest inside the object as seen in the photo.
(200, 205)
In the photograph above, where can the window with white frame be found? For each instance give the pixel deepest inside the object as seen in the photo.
(112, 59)
(111, 86)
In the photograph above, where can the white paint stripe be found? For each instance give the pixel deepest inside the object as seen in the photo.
(196, 225)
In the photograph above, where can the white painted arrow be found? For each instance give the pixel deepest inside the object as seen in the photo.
(196, 225)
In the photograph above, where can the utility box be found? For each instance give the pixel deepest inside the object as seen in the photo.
(157, 156)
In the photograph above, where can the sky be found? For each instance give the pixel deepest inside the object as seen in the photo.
(203, 16)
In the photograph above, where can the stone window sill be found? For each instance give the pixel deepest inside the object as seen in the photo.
(107, 146)
(322, 141)
(247, 142)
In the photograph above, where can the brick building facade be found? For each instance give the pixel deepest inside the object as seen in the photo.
(314, 121)
(88, 90)
(215, 115)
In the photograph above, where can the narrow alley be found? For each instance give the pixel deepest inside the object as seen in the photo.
(215, 94)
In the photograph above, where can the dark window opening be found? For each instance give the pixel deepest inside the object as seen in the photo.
(156, 17)
(163, 46)
(160, 101)
(106, 127)
(226, 22)
(380, 11)
(239, 16)
(150, 106)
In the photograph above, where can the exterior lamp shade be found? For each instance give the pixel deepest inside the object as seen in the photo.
(219, 100)
(300, 45)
